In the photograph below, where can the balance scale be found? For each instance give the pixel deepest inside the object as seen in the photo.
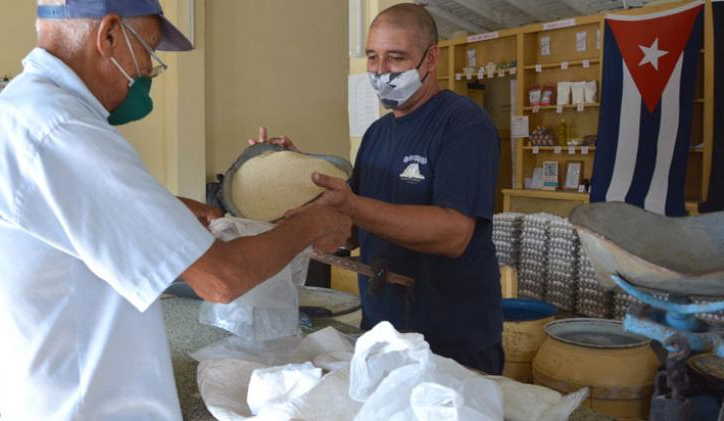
(644, 254)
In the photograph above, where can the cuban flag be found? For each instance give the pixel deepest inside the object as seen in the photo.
(715, 200)
(650, 66)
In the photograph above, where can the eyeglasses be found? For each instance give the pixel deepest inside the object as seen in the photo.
(157, 69)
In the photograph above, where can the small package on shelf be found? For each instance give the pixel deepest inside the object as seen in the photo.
(490, 69)
(546, 97)
(468, 71)
(590, 91)
(550, 175)
(564, 93)
(589, 140)
(577, 92)
(534, 95)
(542, 136)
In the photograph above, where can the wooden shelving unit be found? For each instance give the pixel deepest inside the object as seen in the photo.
(574, 63)
(565, 107)
(564, 62)
(563, 149)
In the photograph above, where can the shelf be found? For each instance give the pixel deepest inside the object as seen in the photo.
(564, 149)
(548, 194)
(573, 63)
(565, 107)
(443, 78)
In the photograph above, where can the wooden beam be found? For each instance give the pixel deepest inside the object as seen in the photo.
(540, 11)
(503, 20)
(577, 5)
(463, 24)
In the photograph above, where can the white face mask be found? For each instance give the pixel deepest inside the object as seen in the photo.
(395, 89)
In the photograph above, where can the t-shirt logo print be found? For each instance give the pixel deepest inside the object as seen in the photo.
(412, 173)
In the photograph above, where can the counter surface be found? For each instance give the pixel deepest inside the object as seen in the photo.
(186, 335)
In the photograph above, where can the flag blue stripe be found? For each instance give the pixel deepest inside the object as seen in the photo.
(609, 118)
(677, 174)
(646, 157)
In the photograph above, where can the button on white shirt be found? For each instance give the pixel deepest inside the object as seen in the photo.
(88, 242)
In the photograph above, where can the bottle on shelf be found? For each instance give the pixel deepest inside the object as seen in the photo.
(563, 133)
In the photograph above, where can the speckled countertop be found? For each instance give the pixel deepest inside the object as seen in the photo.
(186, 335)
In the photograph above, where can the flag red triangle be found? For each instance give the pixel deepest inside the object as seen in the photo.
(664, 38)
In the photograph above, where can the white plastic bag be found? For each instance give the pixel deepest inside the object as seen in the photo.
(434, 402)
(327, 342)
(223, 385)
(379, 352)
(271, 309)
(327, 401)
(528, 402)
(226, 368)
(276, 386)
(475, 398)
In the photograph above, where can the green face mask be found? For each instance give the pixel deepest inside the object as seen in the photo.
(137, 105)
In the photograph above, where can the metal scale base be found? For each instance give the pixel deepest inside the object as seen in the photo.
(674, 325)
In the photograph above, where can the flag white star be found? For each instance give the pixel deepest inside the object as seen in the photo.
(652, 54)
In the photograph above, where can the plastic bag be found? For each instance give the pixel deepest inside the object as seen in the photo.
(276, 386)
(223, 385)
(434, 402)
(381, 351)
(225, 372)
(474, 399)
(325, 402)
(528, 402)
(271, 309)
(292, 349)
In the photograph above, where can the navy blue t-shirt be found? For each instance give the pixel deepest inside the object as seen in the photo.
(444, 154)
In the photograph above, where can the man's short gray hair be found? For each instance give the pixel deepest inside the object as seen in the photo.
(73, 32)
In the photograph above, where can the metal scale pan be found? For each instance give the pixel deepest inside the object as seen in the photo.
(683, 256)
(260, 149)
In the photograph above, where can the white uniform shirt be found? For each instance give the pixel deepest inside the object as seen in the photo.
(88, 242)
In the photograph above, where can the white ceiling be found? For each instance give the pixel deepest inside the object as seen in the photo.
(478, 16)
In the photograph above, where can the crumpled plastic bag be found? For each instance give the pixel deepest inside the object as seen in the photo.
(289, 350)
(333, 361)
(379, 352)
(450, 391)
(435, 402)
(226, 368)
(224, 381)
(276, 386)
(432, 387)
(529, 402)
(325, 402)
(458, 394)
(223, 384)
(271, 309)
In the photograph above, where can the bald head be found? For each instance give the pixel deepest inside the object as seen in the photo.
(412, 17)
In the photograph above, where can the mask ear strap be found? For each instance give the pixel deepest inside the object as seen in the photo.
(420, 64)
(423, 57)
(125, 74)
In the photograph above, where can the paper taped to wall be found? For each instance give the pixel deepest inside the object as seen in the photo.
(363, 105)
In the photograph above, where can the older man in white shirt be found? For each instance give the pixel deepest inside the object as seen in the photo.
(89, 240)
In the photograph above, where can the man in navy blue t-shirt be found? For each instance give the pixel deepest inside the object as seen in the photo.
(422, 198)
